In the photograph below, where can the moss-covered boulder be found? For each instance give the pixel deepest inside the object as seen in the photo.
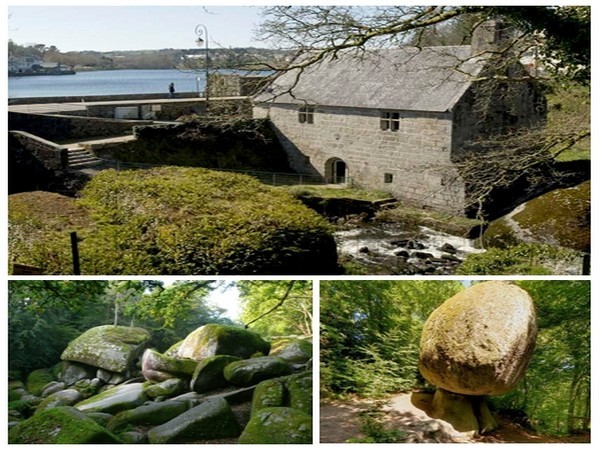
(172, 221)
(479, 342)
(154, 413)
(167, 388)
(62, 425)
(293, 391)
(294, 351)
(278, 426)
(299, 389)
(68, 397)
(209, 373)
(116, 399)
(213, 419)
(214, 339)
(268, 394)
(560, 217)
(157, 367)
(38, 379)
(252, 371)
(108, 347)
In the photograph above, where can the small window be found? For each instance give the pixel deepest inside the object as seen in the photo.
(390, 121)
(388, 178)
(306, 114)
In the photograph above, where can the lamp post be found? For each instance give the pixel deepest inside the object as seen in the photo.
(202, 31)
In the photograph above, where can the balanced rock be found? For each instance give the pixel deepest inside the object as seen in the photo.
(479, 342)
(108, 347)
(214, 339)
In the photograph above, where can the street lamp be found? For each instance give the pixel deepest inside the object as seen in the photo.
(202, 31)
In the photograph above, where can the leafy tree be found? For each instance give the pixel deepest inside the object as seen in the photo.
(43, 316)
(370, 333)
(319, 32)
(555, 393)
(277, 308)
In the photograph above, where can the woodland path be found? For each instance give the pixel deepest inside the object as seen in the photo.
(340, 421)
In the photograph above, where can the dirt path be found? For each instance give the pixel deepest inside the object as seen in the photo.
(340, 421)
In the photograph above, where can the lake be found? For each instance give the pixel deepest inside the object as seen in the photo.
(106, 82)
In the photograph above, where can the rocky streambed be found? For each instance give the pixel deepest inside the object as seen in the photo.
(221, 384)
(391, 248)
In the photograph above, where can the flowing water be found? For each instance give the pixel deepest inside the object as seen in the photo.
(402, 251)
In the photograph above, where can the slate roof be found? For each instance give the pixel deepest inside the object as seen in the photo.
(407, 78)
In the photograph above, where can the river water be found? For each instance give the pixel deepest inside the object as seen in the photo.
(106, 82)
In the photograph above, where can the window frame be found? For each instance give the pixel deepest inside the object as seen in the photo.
(389, 121)
(306, 114)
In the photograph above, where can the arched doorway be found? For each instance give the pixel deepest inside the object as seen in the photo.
(336, 171)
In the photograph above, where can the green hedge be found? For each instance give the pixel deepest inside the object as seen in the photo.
(174, 221)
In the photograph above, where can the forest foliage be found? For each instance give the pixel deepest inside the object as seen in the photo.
(370, 333)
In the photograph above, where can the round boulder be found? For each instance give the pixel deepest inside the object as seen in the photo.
(479, 342)
(108, 347)
(213, 339)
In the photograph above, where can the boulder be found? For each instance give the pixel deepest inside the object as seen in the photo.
(38, 379)
(157, 367)
(213, 339)
(209, 373)
(252, 371)
(278, 425)
(479, 342)
(133, 437)
(68, 397)
(294, 391)
(52, 387)
(294, 351)
(153, 413)
(116, 399)
(565, 223)
(167, 388)
(300, 390)
(212, 419)
(268, 394)
(73, 372)
(61, 425)
(108, 347)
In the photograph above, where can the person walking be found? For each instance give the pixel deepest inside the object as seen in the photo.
(171, 90)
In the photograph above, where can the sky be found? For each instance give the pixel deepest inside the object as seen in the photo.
(154, 27)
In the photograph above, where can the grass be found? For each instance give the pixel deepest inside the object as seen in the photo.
(568, 109)
(337, 192)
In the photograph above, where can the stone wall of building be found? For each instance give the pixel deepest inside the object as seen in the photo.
(412, 163)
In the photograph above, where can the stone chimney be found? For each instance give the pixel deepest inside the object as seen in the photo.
(492, 36)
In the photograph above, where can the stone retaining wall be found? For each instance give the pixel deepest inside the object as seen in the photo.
(63, 127)
(96, 98)
(51, 155)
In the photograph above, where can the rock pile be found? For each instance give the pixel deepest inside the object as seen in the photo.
(228, 388)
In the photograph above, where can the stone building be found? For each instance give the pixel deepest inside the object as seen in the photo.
(397, 119)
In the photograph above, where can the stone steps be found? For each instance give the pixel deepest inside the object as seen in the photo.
(80, 158)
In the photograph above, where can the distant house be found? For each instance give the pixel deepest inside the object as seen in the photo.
(396, 119)
(24, 64)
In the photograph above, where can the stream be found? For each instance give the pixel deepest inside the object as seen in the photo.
(391, 249)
